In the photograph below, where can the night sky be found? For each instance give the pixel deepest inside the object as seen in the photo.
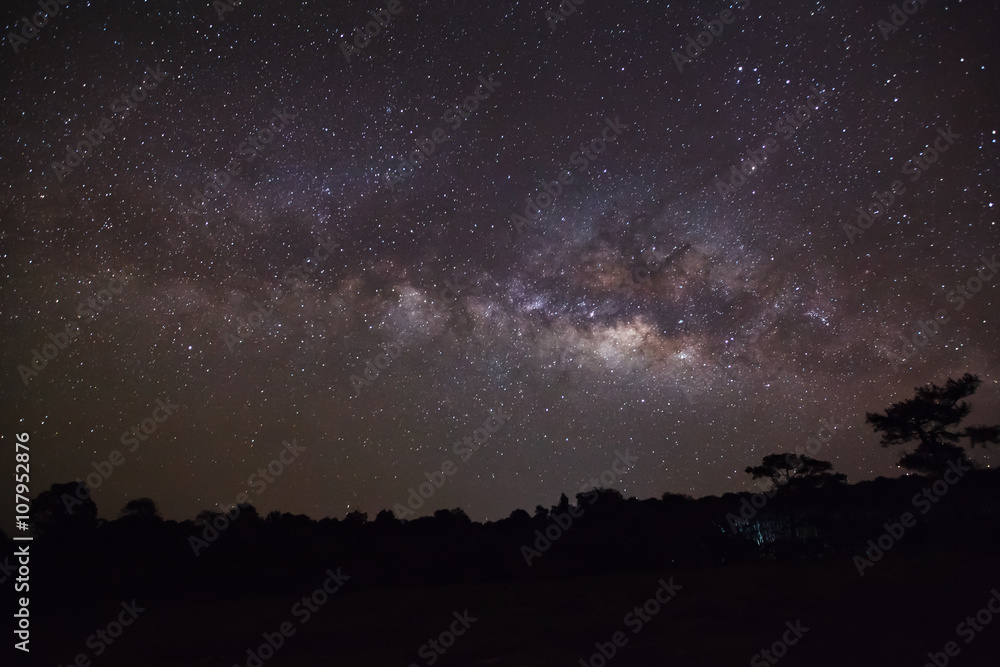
(654, 303)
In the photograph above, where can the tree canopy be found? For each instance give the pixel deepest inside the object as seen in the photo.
(931, 418)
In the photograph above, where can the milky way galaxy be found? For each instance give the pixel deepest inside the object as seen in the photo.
(366, 239)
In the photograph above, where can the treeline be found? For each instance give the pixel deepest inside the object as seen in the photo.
(808, 513)
(600, 532)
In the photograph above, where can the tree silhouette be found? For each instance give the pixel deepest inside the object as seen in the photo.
(64, 508)
(792, 473)
(452, 518)
(929, 418)
(140, 507)
(206, 517)
(795, 471)
(563, 506)
(356, 518)
(385, 518)
(520, 516)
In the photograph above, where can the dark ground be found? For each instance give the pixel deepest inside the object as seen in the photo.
(905, 606)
